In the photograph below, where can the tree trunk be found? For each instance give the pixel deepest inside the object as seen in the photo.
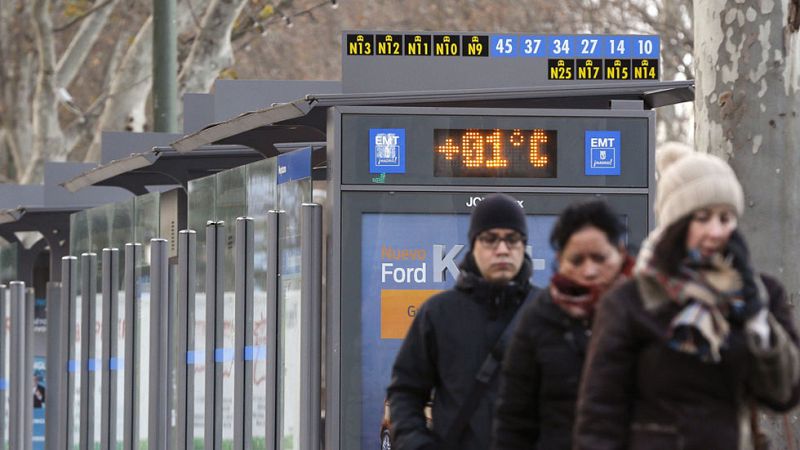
(747, 61)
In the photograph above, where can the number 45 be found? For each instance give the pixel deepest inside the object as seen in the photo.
(504, 46)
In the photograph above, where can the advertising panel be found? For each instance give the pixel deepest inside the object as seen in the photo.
(405, 259)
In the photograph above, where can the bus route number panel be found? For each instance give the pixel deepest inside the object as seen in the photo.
(569, 57)
(440, 149)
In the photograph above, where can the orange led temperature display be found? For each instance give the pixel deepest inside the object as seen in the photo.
(494, 152)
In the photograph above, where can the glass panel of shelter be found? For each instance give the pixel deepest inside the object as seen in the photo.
(260, 200)
(101, 237)
(121, 232)
(230, 204)
(202, 205)
(290, 196)
(146, 227)
(244, 191)
(8, 262)
(238, 192)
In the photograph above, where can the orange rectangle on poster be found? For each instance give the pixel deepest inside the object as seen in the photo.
(398, 307)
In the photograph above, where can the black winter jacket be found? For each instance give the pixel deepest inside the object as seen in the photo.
(540, 378)
(450, 337)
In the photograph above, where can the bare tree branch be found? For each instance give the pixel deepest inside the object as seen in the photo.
(80, 45)
(186, 14)
(83, 16)
(78, 134)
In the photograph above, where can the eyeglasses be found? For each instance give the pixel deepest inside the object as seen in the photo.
(492, 240)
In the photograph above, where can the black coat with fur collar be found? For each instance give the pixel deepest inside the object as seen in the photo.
(450, 337)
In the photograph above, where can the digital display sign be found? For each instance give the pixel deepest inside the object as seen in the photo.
(514, 153)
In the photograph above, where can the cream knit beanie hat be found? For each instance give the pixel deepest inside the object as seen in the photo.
(688, 181)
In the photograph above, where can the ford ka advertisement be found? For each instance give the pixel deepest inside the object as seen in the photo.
(405, 259)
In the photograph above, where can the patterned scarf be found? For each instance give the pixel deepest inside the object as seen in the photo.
(706, 289)
(567, 292)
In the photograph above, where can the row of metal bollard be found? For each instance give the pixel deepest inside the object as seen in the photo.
(16, 352)
(170, 385)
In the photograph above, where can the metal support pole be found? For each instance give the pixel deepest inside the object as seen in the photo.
(59, 248)
(69, 301)
(273, 219)
(57, 351)
(243, 362)
(88, 268)
(3, 367)
(215, 248)
(17, 395)
(133, 255)
(158, 406)
(187, 265)
(110, 292)
(165, 66)
(311, 325)
(27, 368)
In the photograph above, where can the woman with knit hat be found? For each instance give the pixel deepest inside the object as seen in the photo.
(683, 353)
(542, 366)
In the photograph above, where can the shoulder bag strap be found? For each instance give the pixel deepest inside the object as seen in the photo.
(482, 380)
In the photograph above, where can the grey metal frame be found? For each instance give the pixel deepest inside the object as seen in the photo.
(110, 293)
(133, 254)
(158, 404)
(187, 265)
(273, 219)
(17, 393)
(88, 269)
(311, 325)
(333, 204)
(335, 153)
(57, 339)
(333, 314)
(243, 368)
(3, 389)
(215, 246)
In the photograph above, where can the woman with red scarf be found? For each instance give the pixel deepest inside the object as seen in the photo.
(543, 362)
(685, 353)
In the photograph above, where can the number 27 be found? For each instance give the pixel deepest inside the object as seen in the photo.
(588, 46)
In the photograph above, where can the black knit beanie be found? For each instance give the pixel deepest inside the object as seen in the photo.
(497, 211)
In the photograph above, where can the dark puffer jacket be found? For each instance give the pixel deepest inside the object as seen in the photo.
(450, 337)
(540, 378)
(637, 393)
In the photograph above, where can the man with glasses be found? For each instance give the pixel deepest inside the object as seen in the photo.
(453, 348)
